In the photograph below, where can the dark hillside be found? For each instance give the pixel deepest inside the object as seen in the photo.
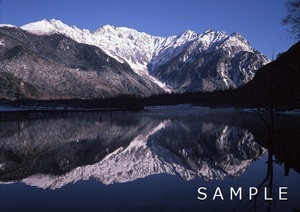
(277, 83)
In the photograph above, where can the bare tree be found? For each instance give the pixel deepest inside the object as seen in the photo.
(292, 18)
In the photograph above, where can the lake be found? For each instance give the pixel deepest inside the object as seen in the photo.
(161, 159)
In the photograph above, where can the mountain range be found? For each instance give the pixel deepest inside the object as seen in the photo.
(51, 60)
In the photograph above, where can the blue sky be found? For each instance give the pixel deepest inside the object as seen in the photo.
(259, 21)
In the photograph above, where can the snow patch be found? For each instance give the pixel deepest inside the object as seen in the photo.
(8, 25)
(2, 165)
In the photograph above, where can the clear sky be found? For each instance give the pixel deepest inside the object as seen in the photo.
(259, 21)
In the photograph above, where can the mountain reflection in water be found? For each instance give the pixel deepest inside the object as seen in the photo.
(118, 148)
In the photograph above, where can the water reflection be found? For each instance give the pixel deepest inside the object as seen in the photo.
(54, 152)
(119, 148)
(282, 147)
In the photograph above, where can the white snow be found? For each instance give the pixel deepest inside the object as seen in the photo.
(2, 43)
(7, 25)
(2, 165)
(291, 113)
(39, 28)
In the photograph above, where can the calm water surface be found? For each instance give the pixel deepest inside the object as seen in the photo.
(154, 160)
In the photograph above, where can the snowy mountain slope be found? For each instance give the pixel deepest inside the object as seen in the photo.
(214, 61)
(164, 59)
(57, 67)
(123, 44)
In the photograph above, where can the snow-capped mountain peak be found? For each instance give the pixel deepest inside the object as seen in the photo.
(188, 35)
(45, 27)
(239, 36)
(106, 27)
(7, 25)
(210, 37)
(148, 55)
